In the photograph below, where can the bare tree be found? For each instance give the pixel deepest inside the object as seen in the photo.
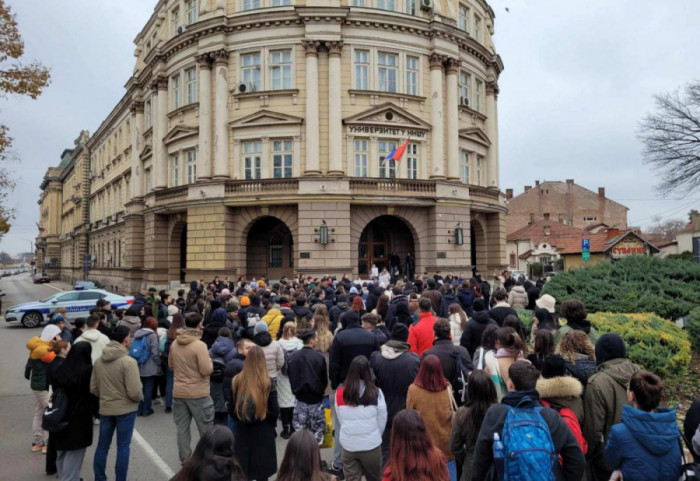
(671, 137)
(666, 228)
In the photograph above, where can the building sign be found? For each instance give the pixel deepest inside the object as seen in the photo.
(400, 132)
(627, 247)
(586, 249)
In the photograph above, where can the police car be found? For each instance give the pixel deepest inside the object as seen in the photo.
(77, 304)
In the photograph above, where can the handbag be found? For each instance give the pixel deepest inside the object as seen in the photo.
(56, 417)
(453, 402)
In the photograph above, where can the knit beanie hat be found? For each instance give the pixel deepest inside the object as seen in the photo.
(172, 310)
(49, 332)
(225, 292)
(231, 307)
(478, 305)
(399, 332)
(260, 327)
(245, 301)
(553, 366)
(609, 346)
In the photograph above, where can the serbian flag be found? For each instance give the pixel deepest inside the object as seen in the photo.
(397, 153)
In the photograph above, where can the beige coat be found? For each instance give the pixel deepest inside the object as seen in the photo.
(115, 380)
(517, 298)
(434, 408)
(189, 359)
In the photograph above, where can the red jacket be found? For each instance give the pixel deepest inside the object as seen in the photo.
(421, 335)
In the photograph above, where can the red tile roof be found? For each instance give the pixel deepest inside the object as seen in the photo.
(600, 243)
(536, 232)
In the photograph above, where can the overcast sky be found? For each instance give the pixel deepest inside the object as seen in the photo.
(579, 77)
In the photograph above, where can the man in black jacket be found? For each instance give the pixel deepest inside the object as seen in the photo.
(521, 393)
(502, 309)
(447, 352)
(474, 329)
(351, 341)
(340, 308)
(398, 298)
(308, 378)
(395, 368)
(448, 298)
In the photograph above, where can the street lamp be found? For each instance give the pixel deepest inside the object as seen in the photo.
(459, 235)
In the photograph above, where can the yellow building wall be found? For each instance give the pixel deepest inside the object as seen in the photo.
(575, 261)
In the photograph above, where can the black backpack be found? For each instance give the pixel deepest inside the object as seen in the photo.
(463, 369)
(55, 418)
(217, 374)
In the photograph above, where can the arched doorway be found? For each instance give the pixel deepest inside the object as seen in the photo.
(270, 249)
(380, 238)
(478, 247)
(177, 253)
(183, 255)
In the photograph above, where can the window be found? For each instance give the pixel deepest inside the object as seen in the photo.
(175, 20)
(463, 18)
(464, 167)
(358, 3)
(412, 75)
(590, 219)
(148, 113)
(276, 252)
(386, 4)
(175, 170)
(477, 28)
(465, 82)
(387, 169)
(512, 260)
(191, 84)
(250, 4)
(411, 7)
(412, 161)
(361, 158)
(250, 69)
(388, 69)
(281, 69)
(147, 181)
(70, 297)
(479, 165)
(191, 11)
(281, 3)
(477, 95)
(282, 158)
(175, 92)
(191, 166)
(251, 159)
(362, 69)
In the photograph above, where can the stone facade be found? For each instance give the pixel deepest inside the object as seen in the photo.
(564, 202)
(248, 138)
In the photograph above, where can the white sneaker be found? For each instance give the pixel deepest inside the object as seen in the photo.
(158, 401)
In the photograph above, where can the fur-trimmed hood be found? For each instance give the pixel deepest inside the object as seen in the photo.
(559, 387)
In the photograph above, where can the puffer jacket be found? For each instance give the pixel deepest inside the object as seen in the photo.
(466, 300)
(224, 349)
(189, 359)
(274, 354)
(97, 340)
(395, 369)
(603, 402)
(361, 427)
(391, 317)
(644, 446)
(132, 322)
(517, 298)
(115, 381)
(445, 302)
(474, 330)
(335, 313)
(582, 369)
(273, 319)
(39, 358)
(562, 392)
(152, 365)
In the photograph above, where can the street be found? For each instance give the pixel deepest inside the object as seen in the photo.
(153, 448)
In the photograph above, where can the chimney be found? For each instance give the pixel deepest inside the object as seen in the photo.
(537, 182)
(528, 187)
(601, 192)
(695, 220)
(612, 233)
(569, 181)
(509, 194)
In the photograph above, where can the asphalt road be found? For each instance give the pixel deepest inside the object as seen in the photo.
(153, 449)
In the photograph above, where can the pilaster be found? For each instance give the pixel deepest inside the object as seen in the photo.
(312, 109)
(437, 151)
(493, 161)
(221, 159)
(204, 160)
(452, 107)
(335, 110)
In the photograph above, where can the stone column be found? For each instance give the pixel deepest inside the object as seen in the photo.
(313, 165)
(335, 110)
(452, 108)
(437, 151)
(160, 129)
(492, 161)
(136, 126)
(204, 154)
(221, 160)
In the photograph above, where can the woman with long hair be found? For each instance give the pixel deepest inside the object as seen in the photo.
(213, 459)
(509, 348)
(481, 394)
(458, 319)
(362, 414)
(579, 355)
(255, 412)
(412, 454)
(543, 347)
(302, 459)
(73, 377)
(514, 321)
(486, 348)
(431, 395)
(321, 310)
(290, 343)
(382, 306)
(324, 339)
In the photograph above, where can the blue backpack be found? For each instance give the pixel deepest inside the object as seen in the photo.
(529, 450)
(139, 350)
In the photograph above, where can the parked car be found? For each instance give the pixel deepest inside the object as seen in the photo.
(41, 278)
(77, 304)
(83, 285)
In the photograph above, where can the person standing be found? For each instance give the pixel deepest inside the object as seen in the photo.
(116, 382)
(94, 337)
(132, 317)
(73, 377)
(410, 266)
(189, 359)
(291, 344)
(60, 349)
(575, 314)
(302, 460)
(222, 352)
(474, 329)
(35, 372)
(421, 335)
(213, 459)
(149, 369)
(255, 412)
(361, 410)
(501, 309)
(452, 358)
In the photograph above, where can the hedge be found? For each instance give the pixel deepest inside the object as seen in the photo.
(692, 325)
(654, 343)
(669, 288)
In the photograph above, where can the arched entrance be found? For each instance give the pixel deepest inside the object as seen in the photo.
(380, 238)
(183, 255)
(177, 255)
(478, 246)
(270, 249)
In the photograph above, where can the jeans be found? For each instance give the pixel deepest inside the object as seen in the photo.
(452, 469)
(232, 425)
(124, 424)
(168, 387)
(145, 405)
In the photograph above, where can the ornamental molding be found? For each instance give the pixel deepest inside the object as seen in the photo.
(265, 118)
(136, 107)
(159, 83)
(334, 47)
(180, 132)
(387, 115)
(475, 134)
(311, 47)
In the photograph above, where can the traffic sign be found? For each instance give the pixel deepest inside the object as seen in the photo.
(586, 249)
(586, 256)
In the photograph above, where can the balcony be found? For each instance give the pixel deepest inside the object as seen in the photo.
(423, 188)
(174, 194)
(485, 194)
(263, 186)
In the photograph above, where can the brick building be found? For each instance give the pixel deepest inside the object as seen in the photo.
(564, 202)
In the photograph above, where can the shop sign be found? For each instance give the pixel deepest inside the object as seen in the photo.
(628, 247)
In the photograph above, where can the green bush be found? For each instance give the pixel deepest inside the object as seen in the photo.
(669, 288)
(692, 325)
(654, 343)
(526, 316)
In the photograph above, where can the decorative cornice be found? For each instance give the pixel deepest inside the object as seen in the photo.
(334, 48)
(452, 65)
(136, 107)
(436, 61)
(203, 60)
(311, 47)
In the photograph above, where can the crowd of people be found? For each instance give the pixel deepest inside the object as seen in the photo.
(425, 379)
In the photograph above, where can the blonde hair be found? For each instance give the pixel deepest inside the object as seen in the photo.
(290, 330)
(252, 385)
(574, 343)
(324, 336)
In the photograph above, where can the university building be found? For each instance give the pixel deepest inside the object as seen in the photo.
(252, 138)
